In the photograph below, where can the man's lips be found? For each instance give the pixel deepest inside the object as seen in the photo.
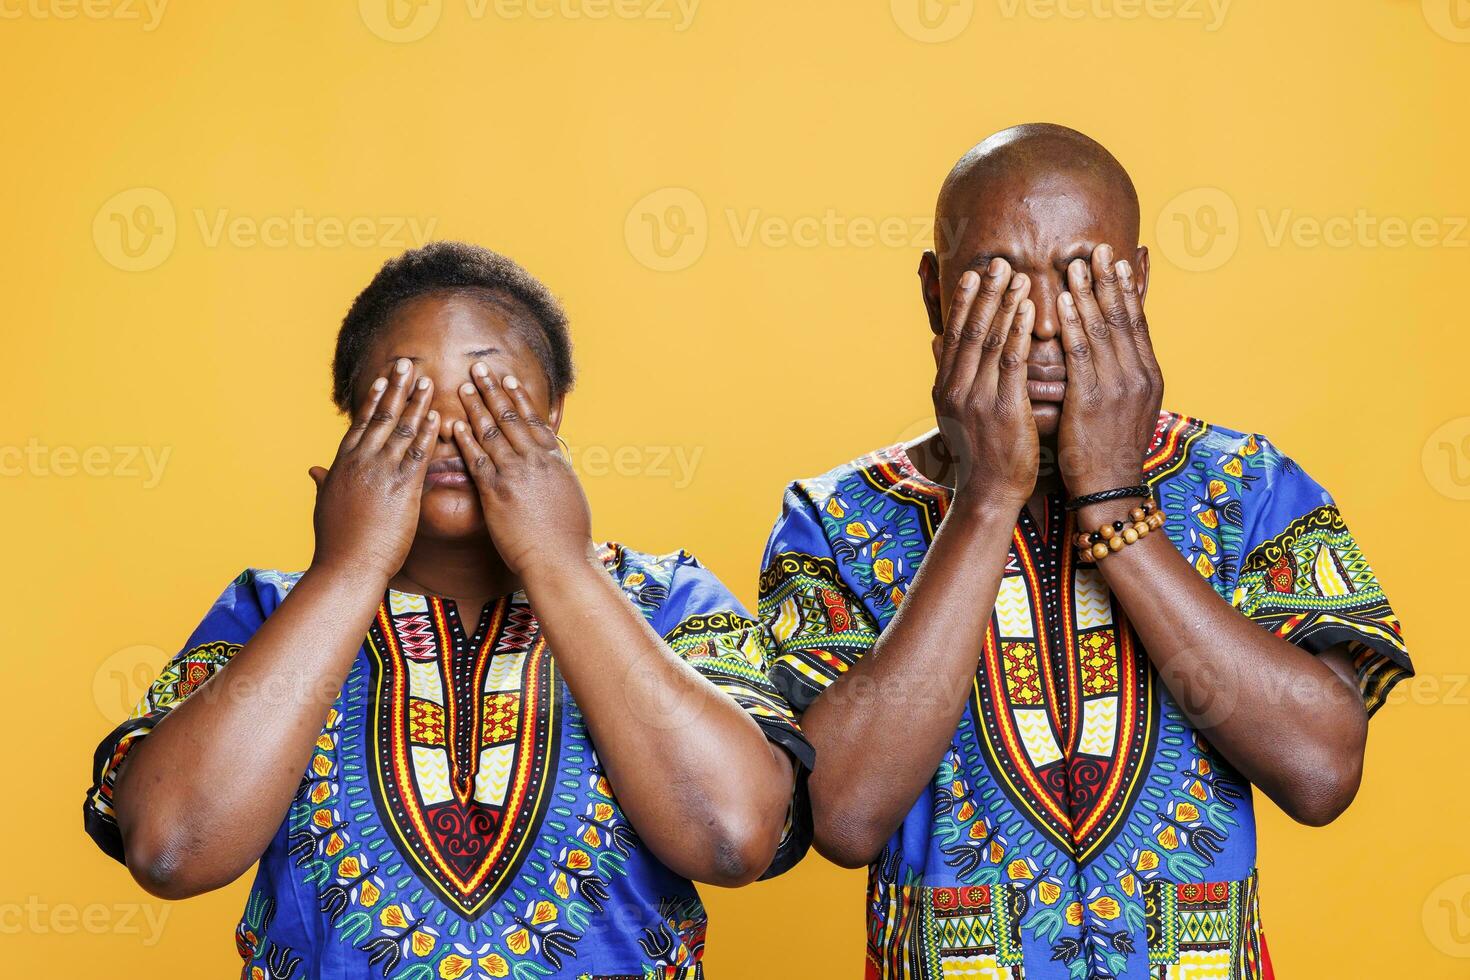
(1046, 382)
(448, 471)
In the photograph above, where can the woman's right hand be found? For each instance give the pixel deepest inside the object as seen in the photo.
(980, 396)
(367, 503)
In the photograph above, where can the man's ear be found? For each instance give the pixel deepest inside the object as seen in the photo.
(929, 285)
(1140, 262)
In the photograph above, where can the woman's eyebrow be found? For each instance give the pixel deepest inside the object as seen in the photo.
(482, 352)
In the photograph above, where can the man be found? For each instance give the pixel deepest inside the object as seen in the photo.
(1039, 697)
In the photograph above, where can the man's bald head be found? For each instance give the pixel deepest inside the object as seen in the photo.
(1040, 197)
(1014, 160)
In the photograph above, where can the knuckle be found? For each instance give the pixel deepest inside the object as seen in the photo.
(417, 453)
(1010, 359)
(509, 415)
(404, 431)
(1080, 350)
(381, 417)
(993, 340)
(489, 431)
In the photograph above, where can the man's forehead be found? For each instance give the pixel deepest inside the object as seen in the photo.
(1046, 224)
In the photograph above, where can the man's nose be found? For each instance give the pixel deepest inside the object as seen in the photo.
(1044, 295)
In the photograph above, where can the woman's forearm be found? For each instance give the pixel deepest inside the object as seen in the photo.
(698, 779)
(200, 797)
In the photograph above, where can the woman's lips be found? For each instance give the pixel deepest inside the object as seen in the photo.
(447, 472)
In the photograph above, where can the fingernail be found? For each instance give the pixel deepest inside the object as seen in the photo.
(996, 267)
(1067, 300)
(459, 427)
(380, 384)
(968, 280)
(466, 389)
(1018, 283)
(479, 369)
(1125, 271)
(402, 366)
(422, 384)
(1105, 254)
(433, 417)
(511, 382)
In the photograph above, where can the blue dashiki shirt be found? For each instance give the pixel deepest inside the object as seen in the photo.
(1077, 826)
(454, 820)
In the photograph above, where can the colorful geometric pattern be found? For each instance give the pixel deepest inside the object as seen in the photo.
(454, 820)
(1074, 787)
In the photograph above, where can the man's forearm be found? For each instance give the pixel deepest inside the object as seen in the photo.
(1290, 722)
(881, 729)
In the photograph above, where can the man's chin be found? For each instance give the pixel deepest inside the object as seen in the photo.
(1048, 417)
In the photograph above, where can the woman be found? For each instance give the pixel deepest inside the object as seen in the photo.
(473, 804)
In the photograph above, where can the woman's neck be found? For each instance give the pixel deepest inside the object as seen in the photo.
(469, 572)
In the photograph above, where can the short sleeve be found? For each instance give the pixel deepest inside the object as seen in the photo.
(703, 622)
(815, 626)
(230, 622)
(1304, 577)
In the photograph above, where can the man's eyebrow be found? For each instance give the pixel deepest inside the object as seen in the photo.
(981, 261)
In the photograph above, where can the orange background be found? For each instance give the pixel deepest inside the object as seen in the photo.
(759, 345)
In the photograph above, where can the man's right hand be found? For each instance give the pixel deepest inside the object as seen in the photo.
(980, 398)
(367, 504)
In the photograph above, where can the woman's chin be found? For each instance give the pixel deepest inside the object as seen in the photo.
(451, 513)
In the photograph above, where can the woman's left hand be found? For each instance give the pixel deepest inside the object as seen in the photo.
(533, 502)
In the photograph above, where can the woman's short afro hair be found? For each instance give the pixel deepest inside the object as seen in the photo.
(453, 267)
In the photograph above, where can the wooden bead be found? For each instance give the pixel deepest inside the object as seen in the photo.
(1142, 528)
(1106, 531)
(1084, 541)
(1155, 521)
(1117, 543)
(1099, 550)
(1138, 514)
(1130, 535)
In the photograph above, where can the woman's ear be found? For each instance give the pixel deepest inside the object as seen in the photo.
(553, 415)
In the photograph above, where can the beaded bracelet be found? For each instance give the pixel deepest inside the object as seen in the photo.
(1120, 534)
